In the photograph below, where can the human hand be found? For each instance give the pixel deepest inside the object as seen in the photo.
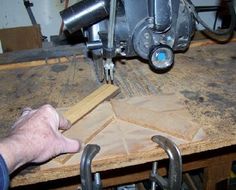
(35, 137)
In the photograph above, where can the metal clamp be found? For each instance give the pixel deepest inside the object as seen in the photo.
(174, 180)
(87, 182)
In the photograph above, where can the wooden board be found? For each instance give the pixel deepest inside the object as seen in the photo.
(174, 121)
(36, 63)
(20, 38)
(42, 54)
(205, 38)
(120, 137)
(79, 110)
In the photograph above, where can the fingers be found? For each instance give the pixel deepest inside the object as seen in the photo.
(48, 110)
(70, 145)
(64, 124)
(56, 120)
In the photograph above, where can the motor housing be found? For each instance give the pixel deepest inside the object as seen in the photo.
(141, 27)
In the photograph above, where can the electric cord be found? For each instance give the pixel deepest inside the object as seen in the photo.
(206, 26)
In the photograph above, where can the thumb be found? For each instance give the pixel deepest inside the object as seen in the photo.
(70, 145)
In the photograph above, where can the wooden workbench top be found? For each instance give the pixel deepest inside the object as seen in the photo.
(205, 76)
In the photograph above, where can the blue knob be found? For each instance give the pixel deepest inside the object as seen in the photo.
(161, 56)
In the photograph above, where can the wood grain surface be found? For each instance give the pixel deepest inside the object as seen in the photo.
(204, 76)
(14, 39)
(79, 110)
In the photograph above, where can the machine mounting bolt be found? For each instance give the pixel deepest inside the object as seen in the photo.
(146, 35)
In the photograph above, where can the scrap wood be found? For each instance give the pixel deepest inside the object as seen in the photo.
(205, 38)
(199, 43)
(85, 106)
(90, 102)
(175, 122)
(35, 63)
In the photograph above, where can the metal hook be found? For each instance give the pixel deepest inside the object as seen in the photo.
(87, 183)
(174, 180)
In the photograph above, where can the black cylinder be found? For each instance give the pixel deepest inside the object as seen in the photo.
(84, 14)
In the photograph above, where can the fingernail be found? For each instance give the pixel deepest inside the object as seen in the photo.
(25, 111)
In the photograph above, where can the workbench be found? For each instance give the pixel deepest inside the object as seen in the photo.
(204, 75)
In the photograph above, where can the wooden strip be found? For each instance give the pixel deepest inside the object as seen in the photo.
(199, 43)
(22, 65)
(98, 130)
(205, 38)
(99, 119)
(90, 102)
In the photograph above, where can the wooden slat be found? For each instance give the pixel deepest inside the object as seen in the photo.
(90, 102)
(199, 43)
(42, 54)
(36, 63)
(204, 38)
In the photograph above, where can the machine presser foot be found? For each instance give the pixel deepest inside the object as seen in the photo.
(109, 71)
